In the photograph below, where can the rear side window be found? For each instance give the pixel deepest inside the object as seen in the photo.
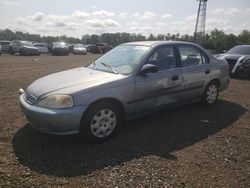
(192, 56)
(163, 57)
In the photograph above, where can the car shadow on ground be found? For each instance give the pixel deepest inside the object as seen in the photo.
(158, 134)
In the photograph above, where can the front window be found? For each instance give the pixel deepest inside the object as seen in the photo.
(59, 44)
(25, 43)
(79, 46)
(243, 50)
(163, 58)
(122, 59)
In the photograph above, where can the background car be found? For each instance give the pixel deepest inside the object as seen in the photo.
(14, 46)
(23, 48)
(5, 45)
(42, 47)
(27, 48)
(60, 48)
(71, 46)
(0, 49)
(103, 47)
(79, 49)
(238, 59)
(92, 48)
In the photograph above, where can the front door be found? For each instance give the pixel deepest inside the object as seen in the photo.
(157, 89)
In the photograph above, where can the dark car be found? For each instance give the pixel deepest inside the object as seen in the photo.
(92, 48)
(60, 48)
(103, 47)
(5, 45)
(23, 48)
(238, 59)
(71, 48)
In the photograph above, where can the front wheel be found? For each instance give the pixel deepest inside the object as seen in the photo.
(210, 94)
(101, 122)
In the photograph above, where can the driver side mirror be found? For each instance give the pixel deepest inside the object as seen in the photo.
(148, 68)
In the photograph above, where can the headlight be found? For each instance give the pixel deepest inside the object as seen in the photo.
(57, 101)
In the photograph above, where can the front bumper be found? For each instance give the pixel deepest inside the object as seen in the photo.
(53, 121)
(60, 51)
(79, 52)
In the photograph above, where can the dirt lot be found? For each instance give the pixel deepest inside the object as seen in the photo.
(191, 146)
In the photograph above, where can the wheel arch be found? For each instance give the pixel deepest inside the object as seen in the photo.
(107, 99)
(217, 81)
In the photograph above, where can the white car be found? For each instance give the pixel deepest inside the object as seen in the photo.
(79, 49)
(42, 47)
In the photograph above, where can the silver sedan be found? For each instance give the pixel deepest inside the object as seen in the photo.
(131, 80)
(79, 49)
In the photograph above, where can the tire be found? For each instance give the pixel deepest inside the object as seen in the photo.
(10, 51)
(20, 52)
(210, 95)
(101, 122)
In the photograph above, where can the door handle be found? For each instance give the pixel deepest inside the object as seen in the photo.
(207, 71)
(175, 77)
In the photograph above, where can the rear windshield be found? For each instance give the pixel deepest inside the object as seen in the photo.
(244, 50)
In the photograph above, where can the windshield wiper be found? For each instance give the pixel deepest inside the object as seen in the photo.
(110, 67)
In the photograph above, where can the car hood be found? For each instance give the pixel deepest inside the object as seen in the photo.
(60, 82)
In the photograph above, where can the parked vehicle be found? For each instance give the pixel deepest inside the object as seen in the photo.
(23, 48)
(60, 48)
(131, 80)
(42, 47)
(103, 47)
(71, 47)
(238, 59)
(79, 49)
(0, 49)
(5, 45)
(50, 45)
(92, 48)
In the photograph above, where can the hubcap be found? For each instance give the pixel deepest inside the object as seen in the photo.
(212, 94)
(103, 123)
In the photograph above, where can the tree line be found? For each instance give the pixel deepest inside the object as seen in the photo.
(217, 40)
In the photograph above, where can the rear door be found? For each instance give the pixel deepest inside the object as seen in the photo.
(195, 71)
(157, 89)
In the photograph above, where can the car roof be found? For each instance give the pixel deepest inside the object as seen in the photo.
(156, 43)
(245, 45)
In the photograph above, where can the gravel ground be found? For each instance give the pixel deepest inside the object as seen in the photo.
(189, 146)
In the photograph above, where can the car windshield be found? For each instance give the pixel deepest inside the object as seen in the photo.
(122, 59)
(244, 50)
(79, 46)
(25, 43)
(59, 44)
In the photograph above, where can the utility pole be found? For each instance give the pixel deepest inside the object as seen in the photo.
(201, 19)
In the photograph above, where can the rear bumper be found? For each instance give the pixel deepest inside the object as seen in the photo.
(53, 121)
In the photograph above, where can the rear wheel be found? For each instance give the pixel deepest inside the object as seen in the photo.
(210, 94)
(101, 122)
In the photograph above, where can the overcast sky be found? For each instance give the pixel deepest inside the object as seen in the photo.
(78, 17)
